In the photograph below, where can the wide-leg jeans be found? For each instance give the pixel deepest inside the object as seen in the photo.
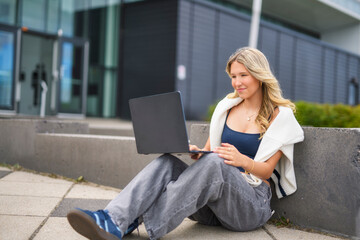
(209, 191)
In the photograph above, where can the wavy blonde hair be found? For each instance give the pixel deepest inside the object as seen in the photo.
(258, 66)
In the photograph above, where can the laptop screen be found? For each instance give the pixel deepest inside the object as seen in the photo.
(159, 123)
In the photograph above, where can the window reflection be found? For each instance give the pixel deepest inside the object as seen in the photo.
(7, 11)
(71, 81)
(53, 15)
(33, 14)
(6, 69)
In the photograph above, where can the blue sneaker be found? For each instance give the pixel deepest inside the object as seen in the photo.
(132, 227)
(94, 225)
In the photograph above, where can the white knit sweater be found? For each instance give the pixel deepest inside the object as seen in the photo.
(282, 134)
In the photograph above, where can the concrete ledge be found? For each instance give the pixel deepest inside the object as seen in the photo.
(327, 167)
(18, 137)
(111, 131)
(107, 160)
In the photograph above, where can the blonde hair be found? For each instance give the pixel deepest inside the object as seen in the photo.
(258, 66)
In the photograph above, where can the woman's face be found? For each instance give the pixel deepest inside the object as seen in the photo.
(243, 82)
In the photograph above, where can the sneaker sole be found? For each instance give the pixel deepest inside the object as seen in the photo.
(87, 227)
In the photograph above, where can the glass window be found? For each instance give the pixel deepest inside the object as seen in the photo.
(33, 14)
(74, 17)
(111, 36)
(6, 69)
(98, 4)
(112, 2)
(52, 24)
(109, 93)
(67, 17)
(353, 97)
(71, 78)
(7, 11)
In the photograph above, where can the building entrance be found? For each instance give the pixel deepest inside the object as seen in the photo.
(53, 75)
(36, 68)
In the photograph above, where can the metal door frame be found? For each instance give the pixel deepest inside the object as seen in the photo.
(85, 65)
(16, 63)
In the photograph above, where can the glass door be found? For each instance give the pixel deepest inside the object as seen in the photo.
(8, 50)
(73, 76)
(35, 74)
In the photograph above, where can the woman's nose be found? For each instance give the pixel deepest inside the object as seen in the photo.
(238, 81)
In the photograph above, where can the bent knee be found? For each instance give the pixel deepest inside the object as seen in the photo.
(168, 160)
(213, 159)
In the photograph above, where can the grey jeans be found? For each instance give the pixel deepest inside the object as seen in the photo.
(209, 191)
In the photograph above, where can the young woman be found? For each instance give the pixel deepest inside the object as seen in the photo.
(252, 133)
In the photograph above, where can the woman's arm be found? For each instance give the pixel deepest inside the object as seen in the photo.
(234, 158)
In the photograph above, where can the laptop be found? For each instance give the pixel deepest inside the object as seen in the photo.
(159, 124)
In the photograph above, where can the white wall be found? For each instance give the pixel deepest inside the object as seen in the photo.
(347, 37)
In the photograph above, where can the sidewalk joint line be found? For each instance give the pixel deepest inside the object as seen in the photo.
(37, 230)
(269, 233)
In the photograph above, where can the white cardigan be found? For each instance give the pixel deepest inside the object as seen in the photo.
(282, 134)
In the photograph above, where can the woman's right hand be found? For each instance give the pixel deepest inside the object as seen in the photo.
(195, 156)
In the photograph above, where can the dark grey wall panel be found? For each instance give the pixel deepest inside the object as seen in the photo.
(184, 43)
(341, 78)
(203, 47)
(268, 45)
(308, 72)
(232, 35)
(286, 64)
(149, 50)
(329, 75)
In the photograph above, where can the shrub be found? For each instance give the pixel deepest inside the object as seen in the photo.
(321, 115)
(327, 115)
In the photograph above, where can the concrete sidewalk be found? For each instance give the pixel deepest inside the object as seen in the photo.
(34, 206)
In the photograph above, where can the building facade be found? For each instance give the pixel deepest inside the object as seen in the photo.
(89, 57)
(59, 56)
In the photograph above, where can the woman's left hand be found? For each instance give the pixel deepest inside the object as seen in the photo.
(231, 155)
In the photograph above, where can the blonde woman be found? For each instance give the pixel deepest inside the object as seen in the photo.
(252, 133)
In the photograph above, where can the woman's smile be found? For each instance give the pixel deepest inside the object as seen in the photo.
(240, 90)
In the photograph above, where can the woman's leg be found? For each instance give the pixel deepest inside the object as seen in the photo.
(144, 189)
(211, 182)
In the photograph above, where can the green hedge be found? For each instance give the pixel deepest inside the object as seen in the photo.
(322, 115)
(327, 115)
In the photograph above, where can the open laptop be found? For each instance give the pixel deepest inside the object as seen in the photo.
(159, 124)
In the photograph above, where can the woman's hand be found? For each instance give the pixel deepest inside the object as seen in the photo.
(231, 155)
(195, 156)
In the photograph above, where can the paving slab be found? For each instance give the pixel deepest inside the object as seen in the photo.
(58, 228)
(92, 192)
(18, 227)
(192, 230)
(27, 206)
(70, 203)
(4, 169)
(283, 233)
(20, 176)
(33, 189)
(4, 173)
